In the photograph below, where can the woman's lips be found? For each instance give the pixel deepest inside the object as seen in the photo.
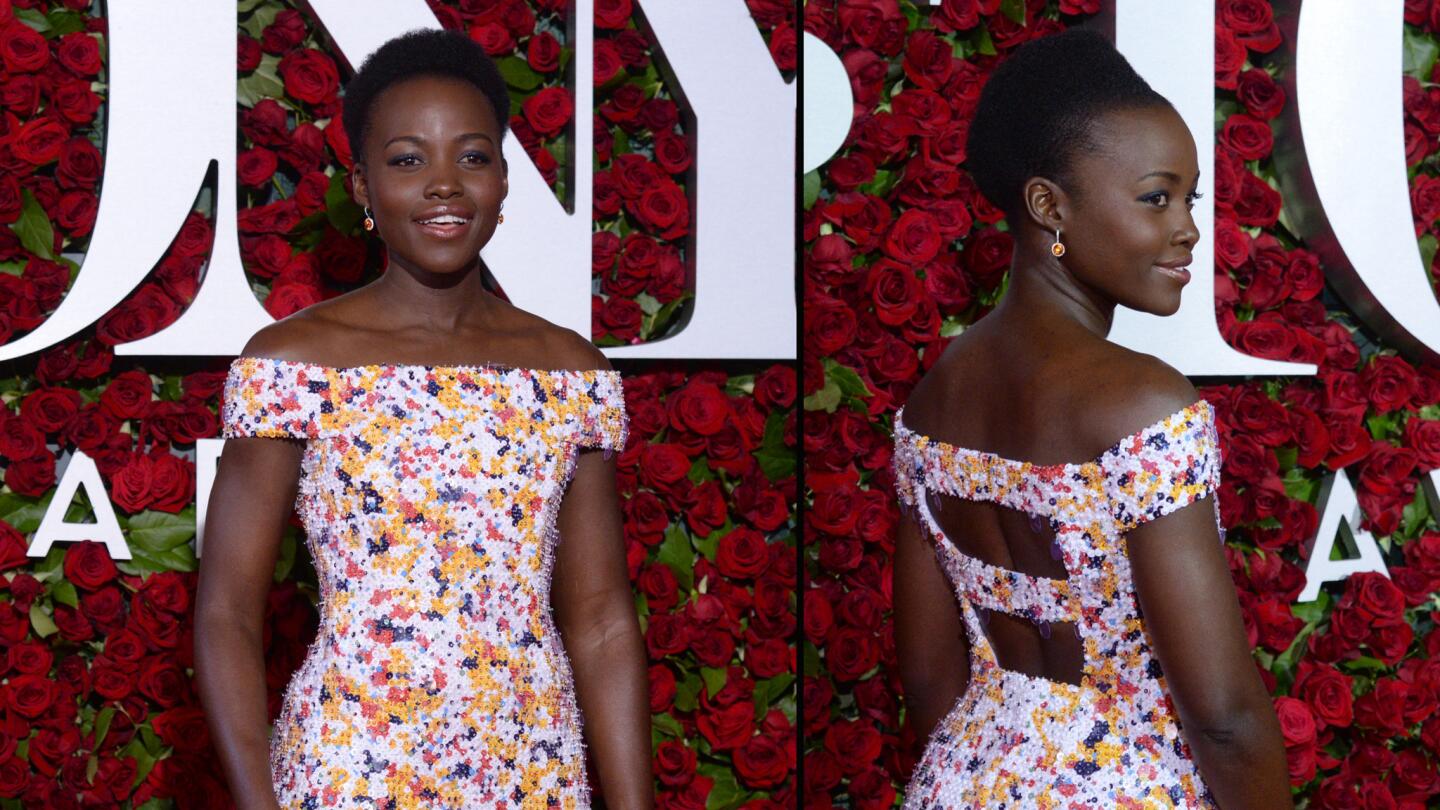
(1180, 274)
(446, 231)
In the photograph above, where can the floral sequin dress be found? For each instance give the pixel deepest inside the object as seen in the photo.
(429, 497)
(1019, 741)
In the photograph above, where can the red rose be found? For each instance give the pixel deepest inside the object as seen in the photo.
(32, 476)
(543, 52)
(277, 217)
(1258, 203)
(105, 608)
(742, 553)
(674, 763)
(1260, 94)
(769, 657)
(1386, 468)
(962, 15)
(987, 256)
(309, 75)
(663, 209)
(79, 166)
(287, 299)
(662, 688)
(1382, 708)
(22, 49)
(1422, 436)
(549, 110)
(74, 101)
(612, 14)
(1389, 383)
(172, 482)
(495, 38)
(130, 487)
(1229, 58)
(729, 727)
(247, 50)
(162, 682)
(254, 167)
(38, 141)
(762, 762)
(113, 680)
(30, 695)
(88, 565)
(894, 289)
(851, 653)
(79, 53)
(701, 407)
(285, 32)
(914, 239)
(184, 726)
(1249, 137)
(1297, 724)
(667, 634)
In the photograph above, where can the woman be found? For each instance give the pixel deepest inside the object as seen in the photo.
(1107, 662)
(432, 431)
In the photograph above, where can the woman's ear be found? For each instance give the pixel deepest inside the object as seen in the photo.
(1045, 203)
(359, 186)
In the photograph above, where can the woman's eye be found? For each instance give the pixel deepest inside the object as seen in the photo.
(401, 160)
(1160, 198)
(480, 157)
(1192, 197)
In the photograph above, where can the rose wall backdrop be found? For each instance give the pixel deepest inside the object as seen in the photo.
(900, 252)
(97, 708)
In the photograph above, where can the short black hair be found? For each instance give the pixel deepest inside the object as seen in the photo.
(1037, 111)
(422, 52)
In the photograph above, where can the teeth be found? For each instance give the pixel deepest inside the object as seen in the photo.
(447, 219)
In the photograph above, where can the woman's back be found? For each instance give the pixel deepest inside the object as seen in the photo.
(1027, 514)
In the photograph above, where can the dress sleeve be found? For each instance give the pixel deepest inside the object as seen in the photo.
(1163, 467)
(601, 412)
(273, 398)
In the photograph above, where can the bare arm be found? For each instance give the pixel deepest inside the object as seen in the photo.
(930, 641)
(252, 498)
(1184, 590)
(595, 612)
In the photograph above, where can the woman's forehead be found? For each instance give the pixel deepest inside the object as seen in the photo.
(433, 101)
(1138, 144)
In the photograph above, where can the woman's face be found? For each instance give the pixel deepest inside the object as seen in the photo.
(433, 151)
(1129, 229)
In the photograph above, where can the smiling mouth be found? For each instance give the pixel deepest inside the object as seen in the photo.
(444, 227)
(1181, 274)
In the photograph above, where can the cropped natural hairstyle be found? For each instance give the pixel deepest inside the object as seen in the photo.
(423, 52)
(1036, 113)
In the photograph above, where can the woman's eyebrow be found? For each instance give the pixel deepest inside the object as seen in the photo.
(467, 136)
(1171, 176)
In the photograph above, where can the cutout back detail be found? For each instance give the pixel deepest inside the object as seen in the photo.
(1023, 638)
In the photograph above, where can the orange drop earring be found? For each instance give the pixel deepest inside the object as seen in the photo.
(1057, 249)
(369, 220)
(500, 220)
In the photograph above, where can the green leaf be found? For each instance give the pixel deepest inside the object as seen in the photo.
(34, 19)
(775, 459)
(648, 304)
(827, 399)
(676, 552)
(726, 794)
(64, 21)
(33, 227)
(41, 621)
(687, 692)
(1014, 10)
(714, 678)
(180, 558)
(1298, 486)
(667, 726)
(710, 543)
(63, 592)
(340, 208)
(851, 385)
(1418, 54)
(769, 691)
(1382, 425)
(247, 6)
(660, 324)
(700, 471)
(812, 188)
(518, 74)
(160, 531)
(22, 512)
(983, 43)
(264, 14)
(1415, 514)
(251, 89)
(102, 724)
(1428, 245)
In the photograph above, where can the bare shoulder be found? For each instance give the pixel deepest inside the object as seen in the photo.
(561, 348)
(296, 338)
(1132, 390)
